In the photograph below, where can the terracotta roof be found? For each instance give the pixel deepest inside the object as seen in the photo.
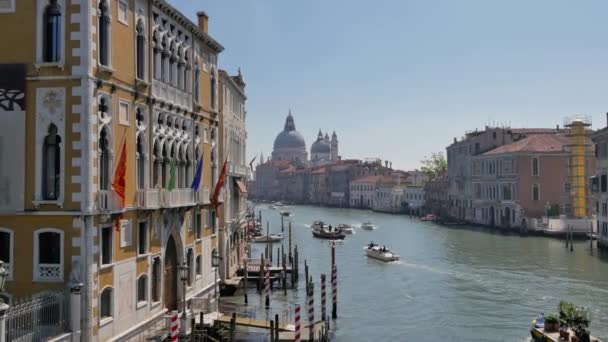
(318, 171)
(289, 169)
(535, 143)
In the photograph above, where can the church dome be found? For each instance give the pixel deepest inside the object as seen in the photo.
(320, 147)
(289, 138)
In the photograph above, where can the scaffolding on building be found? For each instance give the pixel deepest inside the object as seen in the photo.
(577, 133)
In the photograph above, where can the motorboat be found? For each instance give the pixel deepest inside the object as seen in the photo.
(368, 226)
(329, 234)
(267, 238)
(429, 217)
(376, 251)
(285, 213)
(346, 228)
(278, 204)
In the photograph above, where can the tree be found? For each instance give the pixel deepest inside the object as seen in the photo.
(435, 166)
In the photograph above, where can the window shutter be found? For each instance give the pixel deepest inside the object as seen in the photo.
(126, 236)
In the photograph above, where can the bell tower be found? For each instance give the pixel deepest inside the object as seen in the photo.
(334, 146)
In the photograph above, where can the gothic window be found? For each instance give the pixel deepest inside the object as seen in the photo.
(173, 66)
(141, 51)
(197, 75)
(51, 160)
(104, 160)
(164, 72)
(165, 167)
(157, 57)
(189, 262)
(156, 166)
(52, 32)
(104, 33)
(198, 265)
(141, 163)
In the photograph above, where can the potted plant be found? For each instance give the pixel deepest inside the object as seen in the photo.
(577, 318)
(551, 323)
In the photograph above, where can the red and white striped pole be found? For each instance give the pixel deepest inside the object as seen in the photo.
(323, 298)
(297, 324)
(334, 282)
(267, 284)
(174, 327)
(311, 308)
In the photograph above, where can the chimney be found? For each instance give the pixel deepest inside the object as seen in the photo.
(203, 21)
(557, 128)
(454, 140)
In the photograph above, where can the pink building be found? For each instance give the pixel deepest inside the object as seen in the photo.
(525, 179)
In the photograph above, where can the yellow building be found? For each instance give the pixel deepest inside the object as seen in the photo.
(81, 79)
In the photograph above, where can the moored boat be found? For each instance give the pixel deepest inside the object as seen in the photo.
(267, 238)
(318, 225)
(376, 251)
(429, 217)
(368, 226)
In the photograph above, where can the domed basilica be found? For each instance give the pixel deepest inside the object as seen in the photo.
(290, 145)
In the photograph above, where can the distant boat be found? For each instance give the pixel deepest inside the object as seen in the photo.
(323, 233)
(267, 238)
(278, 204)
(285, 213)
(368, 226)
(380, 253)
(429, 217)
(592, 236)
(346, 228)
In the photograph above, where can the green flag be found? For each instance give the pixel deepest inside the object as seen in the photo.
(172, 176)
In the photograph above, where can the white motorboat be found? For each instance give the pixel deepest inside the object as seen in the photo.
(318, 225)
(368, 226)
(380, 252)
(346, 228)
(267, 238)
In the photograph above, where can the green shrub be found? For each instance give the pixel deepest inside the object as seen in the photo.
(552, 318)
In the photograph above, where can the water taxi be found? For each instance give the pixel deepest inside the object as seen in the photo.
(267, 238)
(368, 226)
(380, 252)
(346, 228)
(329, 234)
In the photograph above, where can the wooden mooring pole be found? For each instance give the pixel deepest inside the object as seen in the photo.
(246, 272)
(334, 282)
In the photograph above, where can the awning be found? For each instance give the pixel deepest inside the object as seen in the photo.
(241, 185)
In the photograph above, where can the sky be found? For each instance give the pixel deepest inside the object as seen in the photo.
(399, 79)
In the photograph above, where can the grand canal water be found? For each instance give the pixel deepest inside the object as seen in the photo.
(452, 284)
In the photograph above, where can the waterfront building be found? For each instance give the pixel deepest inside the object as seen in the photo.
(436, 196)
(526, 179)
(318, 186)
(600, 185)
(233, 148)
(413, 198)
(459, 157)
(362, 191)
(105, 117)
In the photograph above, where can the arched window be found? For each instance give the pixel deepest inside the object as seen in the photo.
(103, 32)
(535, 166)
(141, 50)
(141, 163)
(157, 56)
(189, 263)
(104, 160)
(52, 32)
(48, 254)
(142, 289)
(156, 166)
(197, 76)
(164, 71)
(51, 161)
(173, 65)
(106, 303)
(165, 166)
(175, 160)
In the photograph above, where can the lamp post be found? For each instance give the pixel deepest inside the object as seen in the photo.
(215, 262)
(183, 274)
(3, 306)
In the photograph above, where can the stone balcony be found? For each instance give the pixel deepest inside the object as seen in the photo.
(148, 199)
(177, 198)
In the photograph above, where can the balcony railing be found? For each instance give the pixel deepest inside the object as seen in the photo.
(148, 199)
(107, 200)
(236, 169)
(177, 197)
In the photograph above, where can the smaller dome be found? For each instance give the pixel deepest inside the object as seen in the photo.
(320, 146)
